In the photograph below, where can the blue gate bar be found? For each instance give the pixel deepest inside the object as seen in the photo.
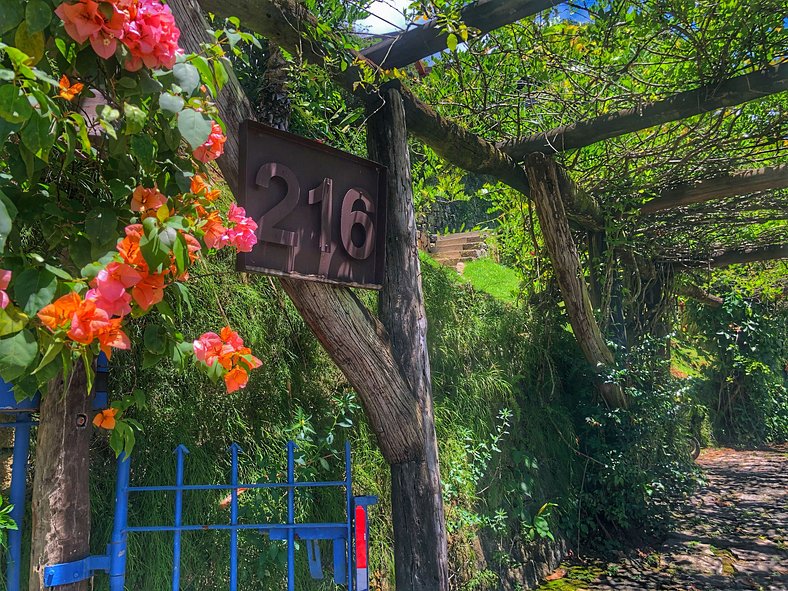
(180, 453)
(339, 534)
(290, 517)
(17, 499)
(117, 547)
(349, 509)
(234, 519)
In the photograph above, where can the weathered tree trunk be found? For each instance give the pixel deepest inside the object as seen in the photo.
(420, 548)
(395, 403)
(546, 185)
(61, 499)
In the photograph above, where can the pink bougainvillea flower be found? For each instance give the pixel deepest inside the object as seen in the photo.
(213, 146)
(151, 36)
(242, 234)
(117, 307)
(98, 22)
(114, 279)
(228, 349)
(147, 201)
(5, 279)
(80, 19)
(149, 291)
(208, 348)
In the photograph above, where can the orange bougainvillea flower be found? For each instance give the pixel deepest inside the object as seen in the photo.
(235, 379)
(58, 314)
(87, 321)
(106, 418)
(67, 90)
(129, 248)
(199, 187)
(149, 291)
(112, 336)
(147, 201)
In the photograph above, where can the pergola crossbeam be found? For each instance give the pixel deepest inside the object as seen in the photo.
(739, 182)
(728, 93)
(425, 40)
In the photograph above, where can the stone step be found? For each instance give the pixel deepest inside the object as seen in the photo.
(470, 245)
(459, 238)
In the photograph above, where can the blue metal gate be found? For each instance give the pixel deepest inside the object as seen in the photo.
(349, 538)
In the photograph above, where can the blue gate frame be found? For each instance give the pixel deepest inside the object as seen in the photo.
(22, 425)
(348, 570)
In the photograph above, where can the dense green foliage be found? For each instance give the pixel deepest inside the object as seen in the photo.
(745, 388)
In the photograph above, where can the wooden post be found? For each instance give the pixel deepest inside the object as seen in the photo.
(420, 546)
(61, 498)
(392, 381)
(546, 191)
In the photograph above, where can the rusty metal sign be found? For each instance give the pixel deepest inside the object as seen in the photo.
(321, 212)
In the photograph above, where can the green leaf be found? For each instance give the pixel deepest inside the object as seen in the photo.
(38, 14)
(206, 73)
(143, 148)
(101, 226)
(155, 252)
(11, 14)
(451, 41)
(14, 106)
(31, 42)
(34, 289)
(12, 320)
(51, 354)
(181, 252)
(155, 339)
(170, 103)
(194, 128)
(150, 359)
(135, 118)
(220, 71)
(187, 77)
(16, 354)
(7, 215)
(37, 135)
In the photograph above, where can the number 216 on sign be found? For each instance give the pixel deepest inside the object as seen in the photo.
(321, 213)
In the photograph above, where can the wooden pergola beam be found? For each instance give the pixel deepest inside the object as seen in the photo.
(739, 182)
(750, 255)
(728, 93)
(290, 25)
(422, 41)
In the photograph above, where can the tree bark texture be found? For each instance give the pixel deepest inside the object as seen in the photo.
(738, 182)
(425, 40)
(354, 339)
(727, 93)
(61, 497)
(545, 177)
(697, 293)
(420, 549)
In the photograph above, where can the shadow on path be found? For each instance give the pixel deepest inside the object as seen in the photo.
(733, 536)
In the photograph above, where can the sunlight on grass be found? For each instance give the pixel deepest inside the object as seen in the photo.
(488, 276)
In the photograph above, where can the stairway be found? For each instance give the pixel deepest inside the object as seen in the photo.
(453, 249)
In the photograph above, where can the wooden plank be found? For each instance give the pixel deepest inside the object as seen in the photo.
(427, 39)
(727, 93)
(738, 182)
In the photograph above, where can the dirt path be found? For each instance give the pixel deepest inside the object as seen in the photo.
(734, 538)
